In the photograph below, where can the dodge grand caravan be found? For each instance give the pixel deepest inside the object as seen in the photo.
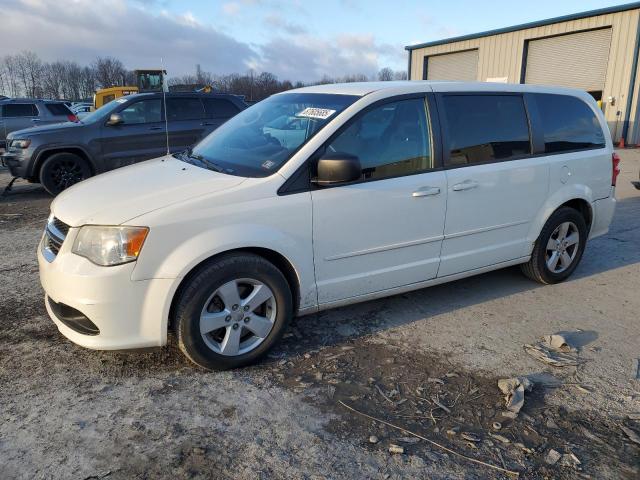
(326, 196)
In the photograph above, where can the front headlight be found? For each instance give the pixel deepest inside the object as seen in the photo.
(108, 246)
(20, 143)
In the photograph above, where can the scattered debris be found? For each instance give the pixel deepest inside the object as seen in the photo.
(500, 438)
(436, 444)
(554, 350)
(397, 449)
(410, 440)
(511, 415)
(634, 416)
(471, 437)
(552, 457)
(451, 375)
(513, 389)
(558, 342)
(496, 425)
(435, 380)
(637, 368)
(570, 460)
(373, 439)
(633, 436)
(439, 404)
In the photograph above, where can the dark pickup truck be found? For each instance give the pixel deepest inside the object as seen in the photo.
(127, 130)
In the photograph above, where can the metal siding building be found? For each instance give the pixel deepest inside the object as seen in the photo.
(596, 51)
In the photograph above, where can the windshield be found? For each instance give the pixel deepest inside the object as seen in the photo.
(103, 110)
(259, 140)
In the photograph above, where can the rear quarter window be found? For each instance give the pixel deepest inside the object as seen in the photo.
(568, 124)
(19, 110)
(58, 109)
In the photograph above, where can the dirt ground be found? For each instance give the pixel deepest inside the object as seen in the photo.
(426, 361)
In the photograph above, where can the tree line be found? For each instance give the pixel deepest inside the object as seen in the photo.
(26, 75)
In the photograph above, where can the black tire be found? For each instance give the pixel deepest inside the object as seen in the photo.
(196, 293)
(61, 170)
(536, 268)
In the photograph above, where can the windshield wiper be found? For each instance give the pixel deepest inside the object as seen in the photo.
(188, 153)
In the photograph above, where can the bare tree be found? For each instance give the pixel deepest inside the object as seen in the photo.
(400, 75)
(109, 72)
(385, 75)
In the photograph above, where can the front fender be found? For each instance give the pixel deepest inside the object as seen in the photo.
(560, 197)
(42, 151)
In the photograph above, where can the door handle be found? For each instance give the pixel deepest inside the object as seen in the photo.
(35, 120)
(156, 128)
(426, 192)
(206, 124)
(466, 185)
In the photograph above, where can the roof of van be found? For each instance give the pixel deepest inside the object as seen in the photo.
(412, 86)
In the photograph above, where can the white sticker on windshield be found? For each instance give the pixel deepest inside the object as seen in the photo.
(320, 113)
(121, 100)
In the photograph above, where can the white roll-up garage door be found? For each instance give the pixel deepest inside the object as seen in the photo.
(577, 60)
(461, 66)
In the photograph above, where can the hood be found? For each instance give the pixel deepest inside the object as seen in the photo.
(51, 127)
(120, 195)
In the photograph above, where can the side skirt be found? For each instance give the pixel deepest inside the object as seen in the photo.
(412, 286)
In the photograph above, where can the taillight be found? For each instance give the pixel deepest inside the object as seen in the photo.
(72, 118)
(615, 162)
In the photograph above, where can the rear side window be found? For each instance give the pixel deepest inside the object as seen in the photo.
(390, 140)
(184, 108)
(568, 124)
(58, 109)
(486, 128)
(19, 110)
(219, 108)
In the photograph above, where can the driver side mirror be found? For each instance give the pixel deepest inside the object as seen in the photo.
(337, 168)
(114, 119)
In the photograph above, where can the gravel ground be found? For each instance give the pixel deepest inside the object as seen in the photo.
(71, 413)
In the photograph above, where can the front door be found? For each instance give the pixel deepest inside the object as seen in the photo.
(386, 230)
(495, 186)
(140, 136)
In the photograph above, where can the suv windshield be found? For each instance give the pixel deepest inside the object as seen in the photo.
(259, 140)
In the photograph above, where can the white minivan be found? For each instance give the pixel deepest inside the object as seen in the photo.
(325, 196)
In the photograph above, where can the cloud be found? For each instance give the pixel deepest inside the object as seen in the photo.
(310, 58)
(231, 8)
(141, 36)
(114, 28)
(276, 22)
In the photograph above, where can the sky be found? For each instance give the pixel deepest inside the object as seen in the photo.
(294, 39)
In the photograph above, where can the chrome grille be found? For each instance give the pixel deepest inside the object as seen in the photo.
(54, 234)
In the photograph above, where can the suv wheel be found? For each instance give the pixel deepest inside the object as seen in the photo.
(62, 170)
(559, 247)
(232, 311)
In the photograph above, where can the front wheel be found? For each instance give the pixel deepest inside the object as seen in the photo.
(232, 311)
(559, 247)
(61, 170)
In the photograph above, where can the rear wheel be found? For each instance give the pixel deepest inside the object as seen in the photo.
(62, 170)
(559, 248)
(232, 311)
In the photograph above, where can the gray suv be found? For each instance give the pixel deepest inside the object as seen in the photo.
(127, 130)
(20, 113)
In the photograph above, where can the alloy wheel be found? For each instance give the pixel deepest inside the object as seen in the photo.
(238, 317)
(562, 247)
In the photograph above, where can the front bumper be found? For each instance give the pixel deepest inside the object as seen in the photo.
(127, 313)
(17, 161)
